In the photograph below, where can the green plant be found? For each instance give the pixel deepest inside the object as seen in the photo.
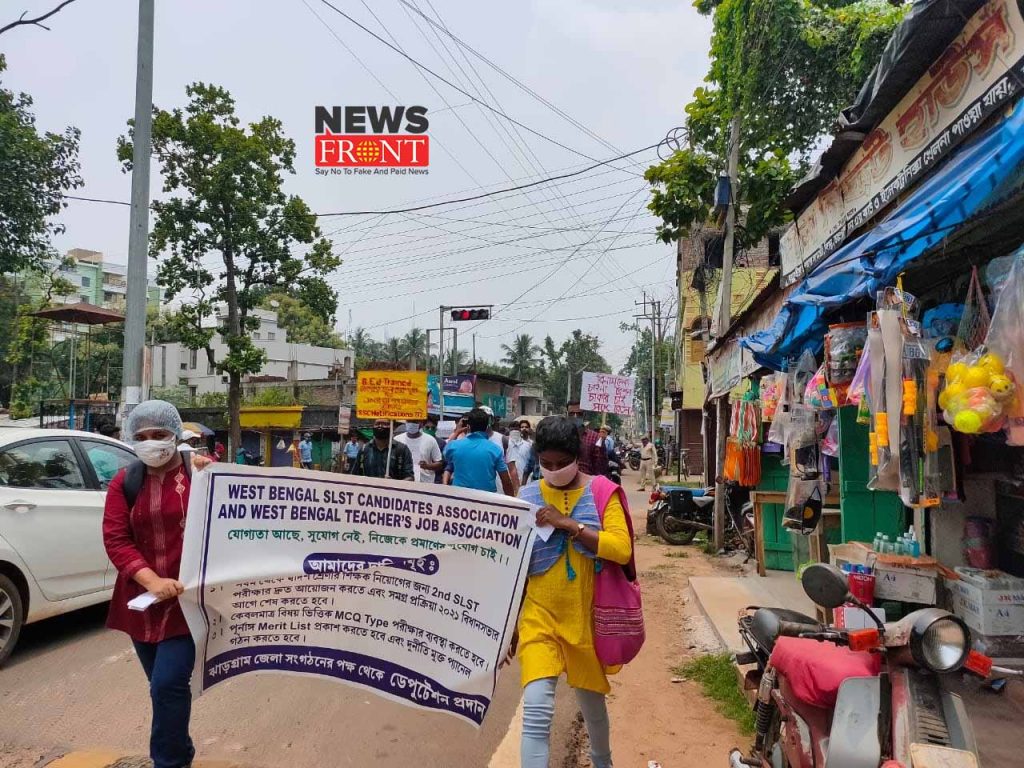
(272, 396)
(716, 675)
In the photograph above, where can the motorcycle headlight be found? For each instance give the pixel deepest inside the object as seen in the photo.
(939, 641)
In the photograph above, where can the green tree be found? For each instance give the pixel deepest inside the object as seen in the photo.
(393, 352)
(786, 67)
(523, 357)
(414, 347)
(36, 171)
(224, 192)
(302, 325)
(455, 359)
(578, 353)
(639, 363)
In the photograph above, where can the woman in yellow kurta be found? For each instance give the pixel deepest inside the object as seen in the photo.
(556, 623)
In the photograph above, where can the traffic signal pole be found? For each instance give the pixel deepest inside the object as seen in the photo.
(460, 313)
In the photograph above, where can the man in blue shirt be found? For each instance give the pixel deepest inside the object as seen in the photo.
(306, 451)
(476, 461)
(351, 453)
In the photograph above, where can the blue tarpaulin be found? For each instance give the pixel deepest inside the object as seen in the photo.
(976, 177)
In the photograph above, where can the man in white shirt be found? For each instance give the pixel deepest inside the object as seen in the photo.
(426, 454)
(187, 445)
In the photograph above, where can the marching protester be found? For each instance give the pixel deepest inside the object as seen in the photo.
(426, 455)
(476, 461)
(648, 455)
(373, 459)
(306, 451)
(517, 456)
(555, 633)
(430, 427)
(188, 442)
(593, 456)
(143, 527)
(351, 452)
(529, 468)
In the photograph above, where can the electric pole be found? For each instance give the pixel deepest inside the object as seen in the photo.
(138, 232)
(721, 324)
(653, 314)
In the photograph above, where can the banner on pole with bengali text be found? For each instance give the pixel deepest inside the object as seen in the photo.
(607, 393)
(408, 590)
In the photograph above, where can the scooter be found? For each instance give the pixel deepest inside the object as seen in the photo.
(856, 698)
(633, 459)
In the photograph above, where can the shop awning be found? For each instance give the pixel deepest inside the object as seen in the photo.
(978, 177)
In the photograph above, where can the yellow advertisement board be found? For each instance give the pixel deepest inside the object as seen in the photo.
(398, 395)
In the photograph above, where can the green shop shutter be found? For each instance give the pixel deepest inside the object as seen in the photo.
(778, 547)
(865, 512)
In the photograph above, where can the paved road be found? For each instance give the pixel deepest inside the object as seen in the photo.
(72, 684)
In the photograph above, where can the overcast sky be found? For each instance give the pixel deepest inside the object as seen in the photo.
(584, 249)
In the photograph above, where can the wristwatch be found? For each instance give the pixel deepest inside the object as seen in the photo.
(580, 528)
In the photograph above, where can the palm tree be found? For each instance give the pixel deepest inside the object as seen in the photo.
(393, 352)
(361, 342)
(414, 347)
(523, 356)
(457, 361)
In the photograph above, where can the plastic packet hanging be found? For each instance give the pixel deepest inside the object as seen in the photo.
(1005, 345)
(879, 449)
(800, 374)
(771, 386)
(817, 393)
(918, 441)
(780, 421)
(844, 345)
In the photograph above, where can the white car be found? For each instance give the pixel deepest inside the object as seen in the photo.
(53, 484)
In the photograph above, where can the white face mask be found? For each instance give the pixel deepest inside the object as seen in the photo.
(559, 478)
(515, 437)
(155, 453)
(412, 428)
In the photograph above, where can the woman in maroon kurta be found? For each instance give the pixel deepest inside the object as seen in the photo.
(144, 544)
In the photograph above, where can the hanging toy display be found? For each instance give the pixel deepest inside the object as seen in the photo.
(742, 448)
(977, 389)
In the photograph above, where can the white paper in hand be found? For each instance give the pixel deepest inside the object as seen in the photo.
(143, 601)
(543, 531)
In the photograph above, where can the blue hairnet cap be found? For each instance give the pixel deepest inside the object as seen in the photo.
(152, 414)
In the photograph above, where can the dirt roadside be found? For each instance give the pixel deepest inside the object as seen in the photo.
(654, 719)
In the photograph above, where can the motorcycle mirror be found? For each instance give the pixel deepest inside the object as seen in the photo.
(825, 585)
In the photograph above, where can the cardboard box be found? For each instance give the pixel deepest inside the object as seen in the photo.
(897, 577)
(851, 617)
(990, 602)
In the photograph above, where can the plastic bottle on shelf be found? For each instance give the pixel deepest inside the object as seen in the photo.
(887, 548)
(877, 543)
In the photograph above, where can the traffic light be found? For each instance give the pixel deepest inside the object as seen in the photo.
(470, 314)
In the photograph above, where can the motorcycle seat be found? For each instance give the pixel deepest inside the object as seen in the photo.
(815, 670)
(764, 625)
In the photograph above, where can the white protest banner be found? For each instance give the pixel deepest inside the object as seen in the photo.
(607, 393)
(407, 590)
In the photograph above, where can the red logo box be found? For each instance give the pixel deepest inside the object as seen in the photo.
(358, 150)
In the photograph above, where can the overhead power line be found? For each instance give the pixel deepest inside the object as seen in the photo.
(450, 84)
(506, 190)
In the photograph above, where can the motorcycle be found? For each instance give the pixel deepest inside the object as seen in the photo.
(633, 459)
(856, 698)
(677, 515)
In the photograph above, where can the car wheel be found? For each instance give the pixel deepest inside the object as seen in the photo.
(11, 617)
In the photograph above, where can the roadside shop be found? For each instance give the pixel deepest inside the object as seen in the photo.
(883, 377)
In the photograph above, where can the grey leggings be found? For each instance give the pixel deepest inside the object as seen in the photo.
(538, 711)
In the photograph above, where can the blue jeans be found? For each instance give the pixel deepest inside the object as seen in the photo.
(538, 711)
(168, 666)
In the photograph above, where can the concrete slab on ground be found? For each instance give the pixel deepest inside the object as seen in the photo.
(721, 598)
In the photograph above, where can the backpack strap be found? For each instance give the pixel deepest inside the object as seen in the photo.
(135, 476)
(603, 490)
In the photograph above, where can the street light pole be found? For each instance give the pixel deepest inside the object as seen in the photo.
(138, 232)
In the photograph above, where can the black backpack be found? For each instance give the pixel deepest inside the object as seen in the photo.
(135, 476)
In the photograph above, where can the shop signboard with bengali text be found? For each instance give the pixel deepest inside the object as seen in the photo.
(977, 74)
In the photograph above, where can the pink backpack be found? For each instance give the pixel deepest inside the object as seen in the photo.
(618, 614)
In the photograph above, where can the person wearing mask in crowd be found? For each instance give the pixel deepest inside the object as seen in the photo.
(351, 452)
(430, 427)
(555, 628)
(102, 460)
(142, 534)
(373, 459)
(593, 456)
(188, 442)
(648, 455)
(306, 451)
(529, 469)
(476, 461)
(606, 438)
(517, 456)
(426, 455)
